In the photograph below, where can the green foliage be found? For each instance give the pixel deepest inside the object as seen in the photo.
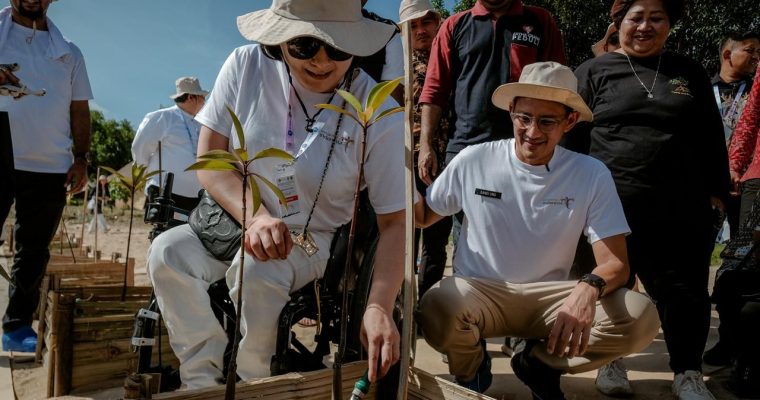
(363, 114)
(438, 5)
(136, 181)
(698, 35)
(111, 142)
(463, 5)
(118, 190)
(238, 161)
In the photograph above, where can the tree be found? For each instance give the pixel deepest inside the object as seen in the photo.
(698, 35)
(111, 143)
(438, 5)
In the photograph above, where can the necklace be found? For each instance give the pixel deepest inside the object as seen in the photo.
(310, 120)
(654, 82)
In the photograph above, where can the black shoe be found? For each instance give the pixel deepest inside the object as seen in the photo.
(542, 380)
(745, 380)
(718, 355)
(483, 378)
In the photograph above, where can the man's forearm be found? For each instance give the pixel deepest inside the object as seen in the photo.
(79, 113)
(430, 117)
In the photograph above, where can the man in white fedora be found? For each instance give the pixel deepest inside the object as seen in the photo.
(177, 130)
(521, 226)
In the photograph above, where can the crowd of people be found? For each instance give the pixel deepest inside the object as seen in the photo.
(562, 190)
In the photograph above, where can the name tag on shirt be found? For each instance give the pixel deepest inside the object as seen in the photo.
(287, 184)
(488, 193)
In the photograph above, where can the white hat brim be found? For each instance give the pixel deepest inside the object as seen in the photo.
(418, 14)
(361, 38)
(203, 93)
(505, 94)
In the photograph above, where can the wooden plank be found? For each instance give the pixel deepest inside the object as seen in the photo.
(424, 386)
(42, 325)
(6, 377)
(64, 348)
(51, 341)
(308, 385)
(409, 295)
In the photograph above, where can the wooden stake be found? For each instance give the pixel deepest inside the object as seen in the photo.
(84, 220)
(95, 211)
(409, 296)
(63, 345)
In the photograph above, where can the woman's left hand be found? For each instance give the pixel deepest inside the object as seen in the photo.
(381, 339)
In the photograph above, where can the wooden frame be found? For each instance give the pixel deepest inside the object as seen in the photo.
(88, 337)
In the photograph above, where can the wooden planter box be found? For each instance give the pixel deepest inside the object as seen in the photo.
(90, 272)
(88, 337)
(318, 386)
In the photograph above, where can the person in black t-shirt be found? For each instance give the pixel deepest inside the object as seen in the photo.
(657, 128)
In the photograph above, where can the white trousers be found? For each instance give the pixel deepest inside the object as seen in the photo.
(181, 271)
(102, 225)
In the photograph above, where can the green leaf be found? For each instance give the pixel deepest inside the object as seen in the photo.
(380, 93)
(218, 155)
(273, 152)
(274, 189)
(150, 174)
(388, 112)
(255, 194)
(238, 127)
(112, 171)
(351, 100)
(212, 165)
(338, 110)
(242, 154)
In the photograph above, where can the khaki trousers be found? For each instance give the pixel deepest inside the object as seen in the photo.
(457, 312)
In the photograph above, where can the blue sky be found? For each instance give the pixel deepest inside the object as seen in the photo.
(135, 49)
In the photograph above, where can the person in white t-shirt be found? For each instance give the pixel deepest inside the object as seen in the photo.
(50, 133)
(304, 53)
(177, 130)
(526, 201)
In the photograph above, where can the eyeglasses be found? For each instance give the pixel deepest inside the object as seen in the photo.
(305, 48)
(545, 124)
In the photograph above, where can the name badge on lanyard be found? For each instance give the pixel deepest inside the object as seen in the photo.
(285, 179)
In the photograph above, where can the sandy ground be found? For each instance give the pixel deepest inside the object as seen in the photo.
(648, 371)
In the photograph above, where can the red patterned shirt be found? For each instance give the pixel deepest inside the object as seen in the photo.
(744, 153)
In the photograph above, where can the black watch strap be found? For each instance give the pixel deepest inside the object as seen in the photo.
(82, 155)
(595, 281)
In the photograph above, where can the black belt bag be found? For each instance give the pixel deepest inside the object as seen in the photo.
(216, 228)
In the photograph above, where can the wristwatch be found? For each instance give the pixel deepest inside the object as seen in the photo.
(595, 281)
(82, 155)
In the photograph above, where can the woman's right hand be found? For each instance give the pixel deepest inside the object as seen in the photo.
(736, 180)
(268, 238)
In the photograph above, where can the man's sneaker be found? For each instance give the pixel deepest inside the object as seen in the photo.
(690, 385)
(612, 380)
(483, 377)
(718, 355)
(542, 380)
(22, 339)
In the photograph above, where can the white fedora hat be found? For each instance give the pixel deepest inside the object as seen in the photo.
(188, 85)
(413, 9)
(544, 81)
(338, 23)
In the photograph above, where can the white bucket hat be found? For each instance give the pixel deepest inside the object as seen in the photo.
(338, 23)
(598, 47)
(413, 9)
(188, 85)
(544, 81)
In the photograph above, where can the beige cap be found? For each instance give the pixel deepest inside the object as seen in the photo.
(413, 9)
(338, 23)
(598, 47)
(544, 81)
(189, 85)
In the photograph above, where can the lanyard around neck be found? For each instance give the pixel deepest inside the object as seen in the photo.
(719, 100)
(190, 136)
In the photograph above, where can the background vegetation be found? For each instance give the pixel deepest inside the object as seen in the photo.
(698, 35)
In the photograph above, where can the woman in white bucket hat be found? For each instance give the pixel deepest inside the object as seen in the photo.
(304, 52)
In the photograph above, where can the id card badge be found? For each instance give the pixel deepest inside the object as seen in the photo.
(286, 181)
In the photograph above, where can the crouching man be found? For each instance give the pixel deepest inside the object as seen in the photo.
(526, 201)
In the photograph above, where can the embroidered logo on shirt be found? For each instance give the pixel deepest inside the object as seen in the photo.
(342, 139)
(564, 201)
(526, 38)
(681, 86)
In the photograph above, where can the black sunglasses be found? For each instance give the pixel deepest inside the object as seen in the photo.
(305, 48)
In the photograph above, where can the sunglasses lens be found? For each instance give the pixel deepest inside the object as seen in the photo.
(304, 48)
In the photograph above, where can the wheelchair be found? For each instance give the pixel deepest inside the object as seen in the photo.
(320, 300)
